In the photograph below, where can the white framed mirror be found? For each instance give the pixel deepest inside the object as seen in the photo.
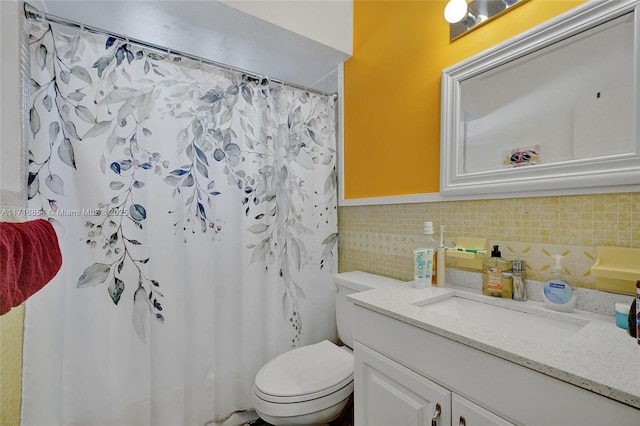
(554, 109)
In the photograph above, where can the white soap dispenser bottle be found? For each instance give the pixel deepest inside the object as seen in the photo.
(557, 293)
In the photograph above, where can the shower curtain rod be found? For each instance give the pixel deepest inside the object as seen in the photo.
(35, 14)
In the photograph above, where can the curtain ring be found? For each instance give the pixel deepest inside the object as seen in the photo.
(34, 13)
(41, 15)
(81, 33)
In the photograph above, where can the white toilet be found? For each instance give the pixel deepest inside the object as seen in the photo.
(311, 385)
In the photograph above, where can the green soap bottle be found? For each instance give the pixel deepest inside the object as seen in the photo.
(494, 281)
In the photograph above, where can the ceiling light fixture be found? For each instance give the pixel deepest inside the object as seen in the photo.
(455, 11)
(463, 16)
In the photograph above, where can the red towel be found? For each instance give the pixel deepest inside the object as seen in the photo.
(29, 258)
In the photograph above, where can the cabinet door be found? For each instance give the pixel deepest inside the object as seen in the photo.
(386, 393)
(466, 413)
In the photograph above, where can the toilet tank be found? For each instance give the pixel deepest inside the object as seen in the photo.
(354, 282)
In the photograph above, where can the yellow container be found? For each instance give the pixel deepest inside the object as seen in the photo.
(469, 260)
(617, 269)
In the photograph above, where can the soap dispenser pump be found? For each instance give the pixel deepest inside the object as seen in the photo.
(557, 293)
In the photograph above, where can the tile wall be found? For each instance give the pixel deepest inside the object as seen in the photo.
(379, 239)
(11, 328)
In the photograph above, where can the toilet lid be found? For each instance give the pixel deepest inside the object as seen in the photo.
(307, 370)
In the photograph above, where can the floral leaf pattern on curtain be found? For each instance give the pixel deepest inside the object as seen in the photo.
(105, 97)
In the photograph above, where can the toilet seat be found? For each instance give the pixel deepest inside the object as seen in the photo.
(304, 374)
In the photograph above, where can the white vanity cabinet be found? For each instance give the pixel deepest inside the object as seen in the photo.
(387, 393)
(402, 371)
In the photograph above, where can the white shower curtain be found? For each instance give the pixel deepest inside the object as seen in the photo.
(196, 212)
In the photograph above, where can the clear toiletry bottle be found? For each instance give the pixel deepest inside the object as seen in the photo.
(494, 282)
(440, 260)
(424, 258)
(431, 245)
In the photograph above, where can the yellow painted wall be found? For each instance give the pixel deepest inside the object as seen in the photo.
(11, 327)
(392, 88)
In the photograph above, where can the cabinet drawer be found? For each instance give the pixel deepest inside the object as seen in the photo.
(466, 413)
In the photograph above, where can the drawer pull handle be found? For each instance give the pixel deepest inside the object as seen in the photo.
(463, 422)
(436, 415)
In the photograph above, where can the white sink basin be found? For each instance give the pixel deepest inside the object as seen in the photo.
(552, 331)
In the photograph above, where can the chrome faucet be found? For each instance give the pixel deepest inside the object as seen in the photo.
(518, 271)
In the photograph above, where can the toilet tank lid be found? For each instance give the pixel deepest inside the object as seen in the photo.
(361, 281)
(305, 370)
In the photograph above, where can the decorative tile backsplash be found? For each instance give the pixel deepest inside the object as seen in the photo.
(379, 239)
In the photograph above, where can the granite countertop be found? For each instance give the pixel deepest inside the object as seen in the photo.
(600, 357)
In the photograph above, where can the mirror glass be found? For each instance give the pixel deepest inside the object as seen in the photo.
(554, 109)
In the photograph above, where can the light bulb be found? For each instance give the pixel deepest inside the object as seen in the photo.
(455, 11)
